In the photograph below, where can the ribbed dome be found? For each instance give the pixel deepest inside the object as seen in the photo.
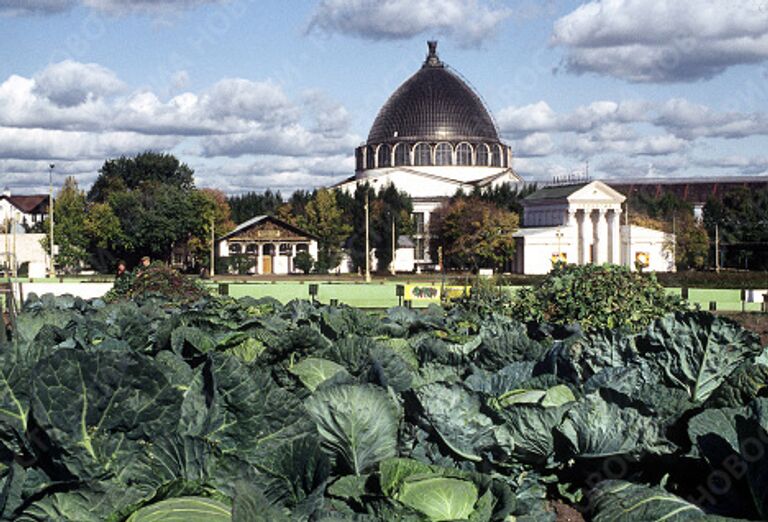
(433, 104)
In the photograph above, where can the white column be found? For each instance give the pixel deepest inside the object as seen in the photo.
(615, 236)
(601, 236)
(580, 219)
(259, 258)
(570, 217)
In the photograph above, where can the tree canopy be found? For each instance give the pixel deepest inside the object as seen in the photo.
(741, 217)
(147, 168)
(473, 233)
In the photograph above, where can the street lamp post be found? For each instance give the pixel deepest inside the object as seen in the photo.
(394, 246)
(52, 269)
(367, 239)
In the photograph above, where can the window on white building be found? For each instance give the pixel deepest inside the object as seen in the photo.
(464, 154)
(444, 154)
(482, 155)
(402, 155)
(384, 156)
(422, 155)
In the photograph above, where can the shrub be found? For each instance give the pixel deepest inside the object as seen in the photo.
(158, 280)
(595, 296)
(304, 262)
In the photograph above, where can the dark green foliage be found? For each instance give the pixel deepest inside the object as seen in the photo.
(741, 215)
(148, 168)
(251, 204)
(596, 297)
(251, 410)
(158, 280)
(304, 262)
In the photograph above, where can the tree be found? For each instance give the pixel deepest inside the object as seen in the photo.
(105, 235)
(390, 206)
(324, 218)
(508, 196)
(741, 217)
(69, 230)
(251, 204)
(473, 233)
(148, 168)
(155, 202)
(384, 206)
(670, 213)
(215, 212)
(303, 261)
(691, 242)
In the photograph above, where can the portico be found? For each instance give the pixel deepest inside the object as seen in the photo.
(268, 245)
(578, 223)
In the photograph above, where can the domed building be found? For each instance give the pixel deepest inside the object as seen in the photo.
(432, 137)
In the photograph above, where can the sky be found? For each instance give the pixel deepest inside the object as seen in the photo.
(276, 94)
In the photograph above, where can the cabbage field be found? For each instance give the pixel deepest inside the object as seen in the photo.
(250, 410)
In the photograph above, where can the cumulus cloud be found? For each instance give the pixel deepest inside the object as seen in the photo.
(744, 165)
(585, 146)
(690, 120)
(617, 121)
(71, 83)
(468, 21)
(52, 117)
(536, 144)
(56, 144)
(540, 117)
(662, 40)
(275, 172)
(27, 7)
(18, 7)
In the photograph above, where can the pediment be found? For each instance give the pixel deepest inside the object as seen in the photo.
(596, 192)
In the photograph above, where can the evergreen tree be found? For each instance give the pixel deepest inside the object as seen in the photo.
(324, 218)
(69, 231)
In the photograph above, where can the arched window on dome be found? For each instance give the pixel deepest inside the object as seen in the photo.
(464, 154)
(482, 155)
(496, 158)
(385, 156)
(359, 159)
(402, 155)
(444, 154)
(370, 158)
(422, 155)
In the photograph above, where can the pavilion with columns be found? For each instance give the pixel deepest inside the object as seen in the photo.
(581, 223)
(268, 245)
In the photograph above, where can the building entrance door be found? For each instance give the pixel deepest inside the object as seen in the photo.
(267, 263)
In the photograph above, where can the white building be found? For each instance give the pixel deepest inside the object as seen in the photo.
(268, 245)
(24, 209)
(581, 223)
(431, 138)
(21, 250)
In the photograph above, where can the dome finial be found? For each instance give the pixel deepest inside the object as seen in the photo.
(432, 58)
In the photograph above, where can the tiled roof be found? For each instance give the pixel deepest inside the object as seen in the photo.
(34, 204)
(555, 192)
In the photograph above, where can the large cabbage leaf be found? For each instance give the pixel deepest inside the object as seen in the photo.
(596, 428)
(753, 441)
(697, 351)
(240, 409)
(313, 371)
(619, 501)
(358, 424)
(184, 509)
(99, 409)
(439, 498)
(455, 415)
